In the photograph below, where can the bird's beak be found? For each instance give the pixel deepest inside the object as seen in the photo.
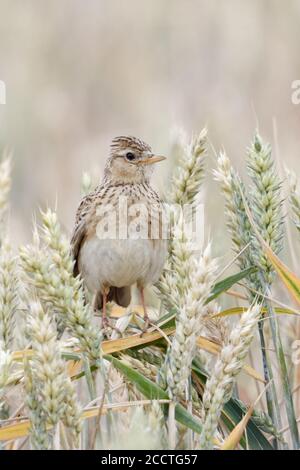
(152, 159)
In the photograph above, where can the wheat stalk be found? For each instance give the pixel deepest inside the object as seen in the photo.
(189, 324)
(52, 276)
(8, 295)
(5, 185)
(218, 388)
(49, 382)
(294, 197)
(242, 235)
(190, 173)
(5, 365)
(266, 205)
(185, 187)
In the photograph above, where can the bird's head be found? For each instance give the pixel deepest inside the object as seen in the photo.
(131, 161)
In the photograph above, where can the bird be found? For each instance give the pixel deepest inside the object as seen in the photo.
(119, 235)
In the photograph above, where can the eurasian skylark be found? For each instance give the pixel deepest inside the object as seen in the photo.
(118, 239)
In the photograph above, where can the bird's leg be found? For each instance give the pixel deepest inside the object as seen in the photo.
(106, 324)
(95, 302)
(146, 318)
(95, 306)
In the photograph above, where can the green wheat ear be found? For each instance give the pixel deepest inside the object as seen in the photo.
(9, 299)
(50, 271)
(219, 386)
(265, 202)
(51, 390)
(185, 188)
(5, 183)
(189, 324)
(294, 197)
(236, 216)
(189, 176)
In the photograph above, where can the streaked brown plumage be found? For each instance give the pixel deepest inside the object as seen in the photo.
(110, 266)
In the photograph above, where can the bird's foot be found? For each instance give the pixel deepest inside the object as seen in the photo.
(145, 326)
(107, 328)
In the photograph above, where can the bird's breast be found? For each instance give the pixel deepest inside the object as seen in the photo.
(120, 263)
(126, 238)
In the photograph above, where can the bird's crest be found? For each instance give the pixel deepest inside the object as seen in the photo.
(123, 142)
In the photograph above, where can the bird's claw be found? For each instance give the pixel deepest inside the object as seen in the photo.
(107, 328)
(145, 327)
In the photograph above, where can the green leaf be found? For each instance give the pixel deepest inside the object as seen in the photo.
(232, 414)
(219, 288)
(290, 280)
(227, 283)
(240, 310)
(152, 391)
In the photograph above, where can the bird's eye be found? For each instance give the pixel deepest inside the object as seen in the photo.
(130, 156)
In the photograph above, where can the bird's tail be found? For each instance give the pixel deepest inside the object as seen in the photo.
(120, 295)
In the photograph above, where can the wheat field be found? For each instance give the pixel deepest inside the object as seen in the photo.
(214, 86)
(218, 367)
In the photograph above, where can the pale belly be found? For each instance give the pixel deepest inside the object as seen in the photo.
(121, 263)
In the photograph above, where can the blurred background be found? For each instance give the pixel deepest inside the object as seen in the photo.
(78, 73)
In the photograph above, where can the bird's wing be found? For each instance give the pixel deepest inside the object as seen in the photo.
(80, 229)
